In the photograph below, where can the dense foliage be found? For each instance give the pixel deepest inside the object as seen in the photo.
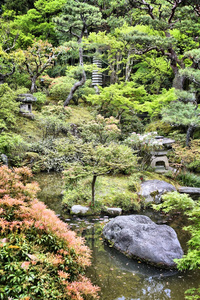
(40, 256)
(176, 202)
(150, 66)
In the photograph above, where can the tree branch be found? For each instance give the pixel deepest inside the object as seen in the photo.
(13, 45)
(3, 76)
(197, 9)
(147, 7)
(173, 11)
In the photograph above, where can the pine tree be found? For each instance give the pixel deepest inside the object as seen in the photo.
(77, 18)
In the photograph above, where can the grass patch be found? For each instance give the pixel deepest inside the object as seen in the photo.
(110, 191)
(79, 115)
(30, 130)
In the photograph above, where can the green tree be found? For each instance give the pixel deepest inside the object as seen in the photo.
(101, 130)
(20, 7)
(10, 55)
(37, 21)
(39, 58)
(186, 111)
(118, 98)
(183, 114)
(172, 32)
(100, 160)
(77, 18)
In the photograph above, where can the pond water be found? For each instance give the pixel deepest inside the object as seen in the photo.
(119, 277)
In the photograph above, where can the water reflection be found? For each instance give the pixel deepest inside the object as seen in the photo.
(122, 278)
(119, 277)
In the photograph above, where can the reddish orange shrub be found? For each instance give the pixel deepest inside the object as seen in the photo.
(25, 220)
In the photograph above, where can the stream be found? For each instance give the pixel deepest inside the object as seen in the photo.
(119, 277)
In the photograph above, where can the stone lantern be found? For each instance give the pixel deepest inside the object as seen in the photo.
(159, 160)
(26, 101)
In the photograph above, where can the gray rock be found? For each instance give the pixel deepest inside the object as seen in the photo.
(139, 237)
(189, 190)
(79, 209)
(4, 159)
(114, 211)
(152, 190)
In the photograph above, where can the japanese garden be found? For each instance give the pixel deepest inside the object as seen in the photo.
(99, 149)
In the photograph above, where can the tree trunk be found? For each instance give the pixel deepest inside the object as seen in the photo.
(129, 64)
(93, 188)
(33, 85)
(83, 79)
(189, 135)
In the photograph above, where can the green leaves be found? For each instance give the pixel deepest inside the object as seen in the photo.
(118, 97)
(78, 17)
(179, 113)
(8, 106)
(155, 103)
(174, 201)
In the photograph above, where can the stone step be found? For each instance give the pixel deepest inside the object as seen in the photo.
(189, 190)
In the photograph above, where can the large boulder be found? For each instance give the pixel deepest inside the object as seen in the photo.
(152, 190)
(139, 237)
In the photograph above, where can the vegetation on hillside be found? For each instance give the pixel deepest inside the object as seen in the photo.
(150, 56)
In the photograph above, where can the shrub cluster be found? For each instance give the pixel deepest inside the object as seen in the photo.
(40, 257)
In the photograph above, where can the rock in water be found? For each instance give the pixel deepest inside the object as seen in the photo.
(79, 210)
(138, 236)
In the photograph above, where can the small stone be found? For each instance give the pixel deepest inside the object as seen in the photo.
(79, 209)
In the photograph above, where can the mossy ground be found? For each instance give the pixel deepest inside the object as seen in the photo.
(29, 129)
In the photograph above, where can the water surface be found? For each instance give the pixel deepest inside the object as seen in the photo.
(119, 277)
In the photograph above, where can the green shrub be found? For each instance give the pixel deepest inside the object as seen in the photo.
(52, 126)
(9, 142)
(130, 122)
(134, 182)
(101, 130)
(57, 110)
(60, 87)
(41, 99)
(189, 179)
(8, 107)
(40, 258)
(126, 200)
(194, 166)
(47, 157)
(159, 126)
